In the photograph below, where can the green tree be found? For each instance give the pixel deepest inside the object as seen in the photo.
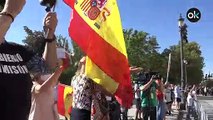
(67, 75)
(35, 41)
(141, 48)
(63, 42)
(192, 54)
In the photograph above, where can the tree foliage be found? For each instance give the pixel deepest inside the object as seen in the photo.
(35, 41)
(63, 42)
(67, 75)
(142, 50)
(192, 54)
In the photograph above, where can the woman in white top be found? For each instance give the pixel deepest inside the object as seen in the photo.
(190, 102)
(137, 101)
(168, 98)
(43, 107)
(177, 92)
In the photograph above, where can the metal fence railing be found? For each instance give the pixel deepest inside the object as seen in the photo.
(198, 110)
(201, 111)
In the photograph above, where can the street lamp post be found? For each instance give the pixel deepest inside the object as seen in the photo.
(181, 24)
(181, 27)
(185, 69)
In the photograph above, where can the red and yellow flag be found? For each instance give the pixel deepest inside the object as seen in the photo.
(64, 100)
(96, 28)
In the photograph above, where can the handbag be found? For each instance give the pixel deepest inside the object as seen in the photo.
(102, 104)
(103, 109)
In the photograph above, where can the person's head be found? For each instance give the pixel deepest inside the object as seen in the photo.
(159, 83)
(167, 85)
(81, 66)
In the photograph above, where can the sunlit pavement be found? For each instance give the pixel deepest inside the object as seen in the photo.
(174, 116)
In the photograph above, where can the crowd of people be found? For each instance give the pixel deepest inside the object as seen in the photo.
(154, 98)
(28, 83)
(204, 90)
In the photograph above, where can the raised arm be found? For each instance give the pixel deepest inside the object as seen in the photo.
(49, 55)
(135, 69)
(192, 88)
(11, 9)
(147, 85)
(50, 82)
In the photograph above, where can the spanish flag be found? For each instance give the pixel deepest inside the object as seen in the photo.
(96, 28)
(64, 100)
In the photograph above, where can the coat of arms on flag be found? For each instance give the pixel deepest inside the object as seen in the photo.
(96, 28)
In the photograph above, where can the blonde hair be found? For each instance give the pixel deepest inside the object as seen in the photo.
(81, 66)
(80, 69)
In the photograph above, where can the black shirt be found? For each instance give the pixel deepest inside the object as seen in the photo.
(15, 81)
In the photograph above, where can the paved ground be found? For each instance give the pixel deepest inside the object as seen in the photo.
(174, 115)
(183, 114)
(131, 114)
(206, 107)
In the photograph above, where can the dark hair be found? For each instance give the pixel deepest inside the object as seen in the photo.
(145, 77)
(2, 2)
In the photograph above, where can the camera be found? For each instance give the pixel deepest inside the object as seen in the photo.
(144, 77)
(47, 3)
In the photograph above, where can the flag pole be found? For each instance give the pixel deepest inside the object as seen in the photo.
(168, 68)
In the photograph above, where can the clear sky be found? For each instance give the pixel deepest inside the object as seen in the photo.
(157, 17)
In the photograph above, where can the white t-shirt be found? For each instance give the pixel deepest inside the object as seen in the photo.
(205, 89)
(43, 107)
(190, 100)
(168, 95)
(177, 92)
(137, 91)
(194, 94)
